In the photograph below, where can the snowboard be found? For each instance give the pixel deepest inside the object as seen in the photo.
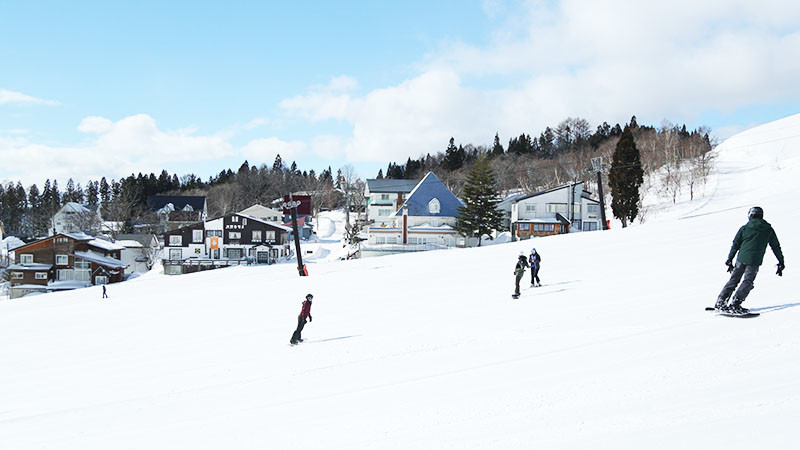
(730, 314)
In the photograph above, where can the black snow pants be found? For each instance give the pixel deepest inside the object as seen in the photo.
(535, 275)
(740, 270)
(301, 322)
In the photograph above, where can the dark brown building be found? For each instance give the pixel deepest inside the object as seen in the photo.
(64, 261)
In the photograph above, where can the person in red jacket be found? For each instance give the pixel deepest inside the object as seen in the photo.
(305, 313)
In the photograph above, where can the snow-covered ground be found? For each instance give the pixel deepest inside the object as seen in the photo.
(428, 350)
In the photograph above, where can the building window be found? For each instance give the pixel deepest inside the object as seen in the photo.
(175, 254)
(62, 240)
(176, 240)
(65, 275)
(214, 233)
(256, 235)
(26, 259)
(235, 219)
(385, 197)
(270, 235)
(62, 260)
(234, 235)
(244, 221)
(592, 209)
(384, 212)
(41, 275)
(576, 208)
(100, 280)
(434, 207)
(197, 236)
(589, 226)
(556, 207)
(524, 227)
(530, 207)
(380, 240)
(234, 253)
(544, 227)
(83, 265)
(17, 275)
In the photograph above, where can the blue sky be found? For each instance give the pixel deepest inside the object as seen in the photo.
(90, 89)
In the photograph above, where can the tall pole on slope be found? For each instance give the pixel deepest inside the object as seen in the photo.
(598, 167)
(292, 205)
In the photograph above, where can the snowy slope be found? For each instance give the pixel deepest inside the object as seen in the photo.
(428, 350)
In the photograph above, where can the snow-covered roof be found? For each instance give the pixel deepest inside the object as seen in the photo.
(30, 267)
(100, 259)
(390, 186)
(430, 188)
(266, 222)
(79, 236)
(105, 245)
(66, 285)
(129, 243)
(541, 220)
(179, 202)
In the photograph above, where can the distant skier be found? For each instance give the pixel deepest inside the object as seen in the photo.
(305, 312)
(104, 292)
(751, 243)
(519, 271)
(535, 260)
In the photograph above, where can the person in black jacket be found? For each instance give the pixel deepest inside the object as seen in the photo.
(535, 260)
(519, 271)
(751, 243)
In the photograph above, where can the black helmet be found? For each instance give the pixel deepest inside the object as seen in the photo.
(755, 213)
(309, 297)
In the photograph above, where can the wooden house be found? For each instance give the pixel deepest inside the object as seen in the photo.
(65, 261)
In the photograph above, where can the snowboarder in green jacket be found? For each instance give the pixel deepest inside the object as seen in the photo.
(751, 243)
(519, 271)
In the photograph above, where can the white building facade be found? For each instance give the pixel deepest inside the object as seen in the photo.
(567, 208)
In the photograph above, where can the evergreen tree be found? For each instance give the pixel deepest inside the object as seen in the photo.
(497, 147)
(277, 166)
(92, 193)
(453, 156)
(380, 174)
(625, 178)
(480, 215)
(105, 192)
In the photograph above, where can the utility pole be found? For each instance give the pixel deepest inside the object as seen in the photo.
(598, 167)
(292, 206)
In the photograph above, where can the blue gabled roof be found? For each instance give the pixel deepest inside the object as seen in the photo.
(426, 190)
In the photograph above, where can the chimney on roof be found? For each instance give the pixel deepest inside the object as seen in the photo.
(405, 224)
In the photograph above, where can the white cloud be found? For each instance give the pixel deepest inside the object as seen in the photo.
(603, 61)
(95, 125)
(7, 96)
(266, 149)
(131, 145)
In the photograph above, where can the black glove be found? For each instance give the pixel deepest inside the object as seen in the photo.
(780, 269)
(309, 318)
(729, 263)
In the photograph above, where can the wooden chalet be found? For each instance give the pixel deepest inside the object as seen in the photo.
(64, 261)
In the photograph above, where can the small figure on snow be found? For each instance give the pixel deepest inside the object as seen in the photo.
(751, 243)
(535, 260)
(104, 292)
(519, 271)
(305, 313)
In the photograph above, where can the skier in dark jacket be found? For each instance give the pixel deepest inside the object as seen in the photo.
(535, 260)
(305, 313)
(751, 243)
(519, 271)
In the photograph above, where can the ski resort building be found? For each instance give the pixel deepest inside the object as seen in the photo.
(174, 211)
(76, 218)
(64, 261)
(229, 240)
(384, 197)
(425, 220)
(555, 211)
